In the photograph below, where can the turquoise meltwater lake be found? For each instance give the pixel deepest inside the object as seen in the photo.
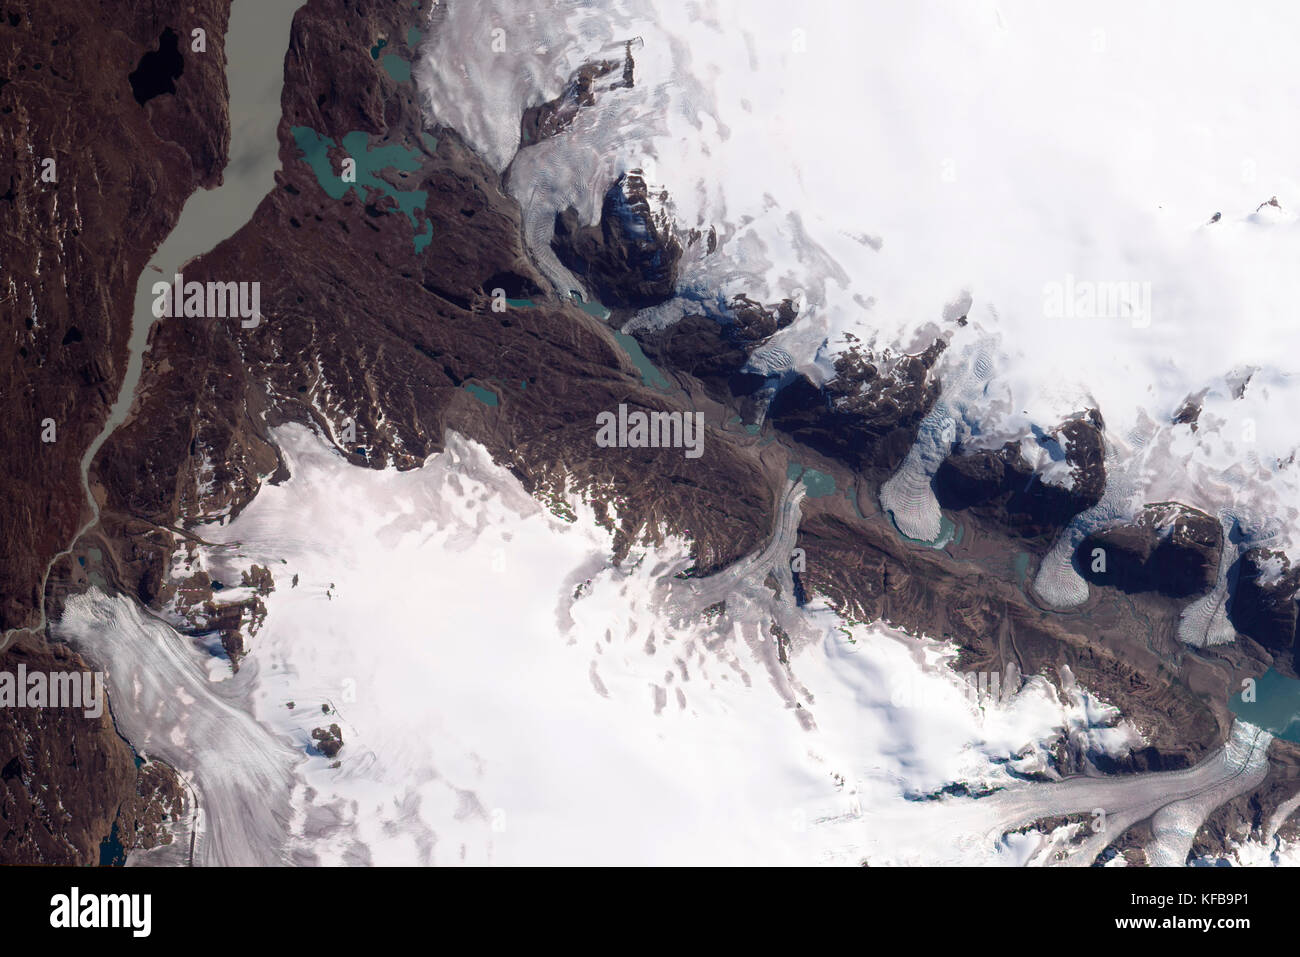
(1276, 707)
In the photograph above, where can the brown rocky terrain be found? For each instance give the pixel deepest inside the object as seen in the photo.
(630, 257)
(588, 81)
(77, 233)
(866, 418)
(1263, 606)
(1167, 548)
(372, 339)
(74, 246)
(713, 353)
(68, 781)
(1000, 487)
